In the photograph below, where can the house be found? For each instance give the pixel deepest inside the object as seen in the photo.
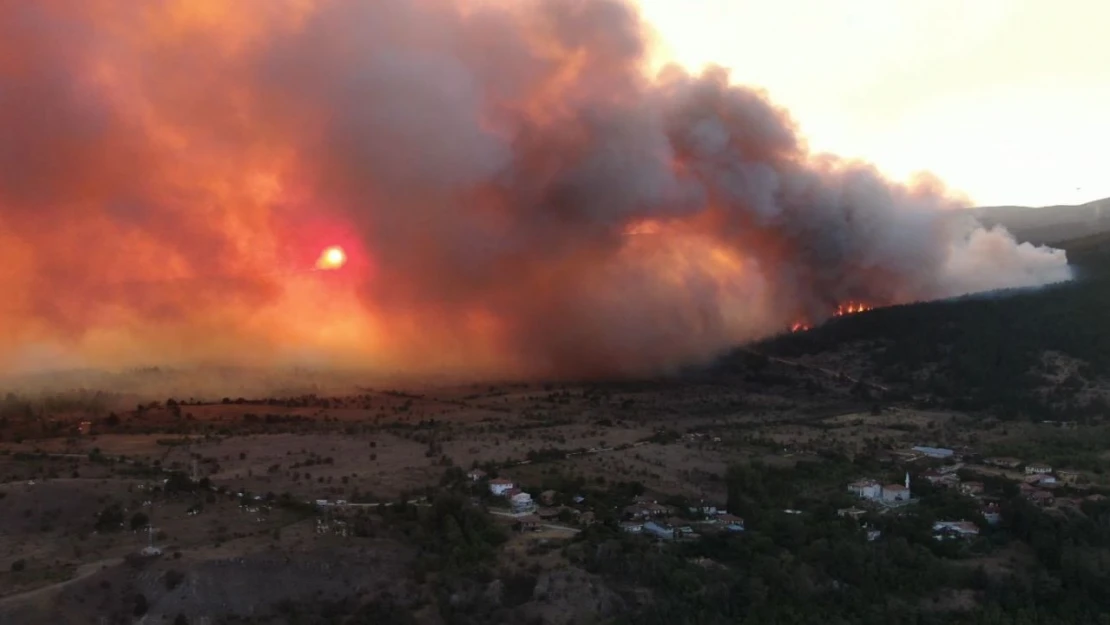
(992, 514)
(936, 478)
(865, 489)
(954, 529)
(476, 475)
(873, 535)
(499, 486)
(1037, 469)
(972, 488)
(660, 530)
(522, 502)
(527, 523)
(732, 522)
(548, 514)
(632, 527)
(1041, 479)
(1068, 477)
(84, 427)
(895, 492)
(1042, 497)
(934, 452)
(950, 468)
(680, 526)
(704, 509)
(547, 497)
(1003, 462)
(851, 513)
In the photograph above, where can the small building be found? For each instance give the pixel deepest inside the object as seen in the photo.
(660, 530)
(548, 514)
(547, 497)
(1041, 479)
(632, 527)
(1068, 477)
(873, 535)
(865, 489)
(934, 452)
(851, 513)
(681, 526)
(944, 480)
(972, 488)
(527, 523)
(476, 475)
(732, 522)
(895, 492)
(1003, 462)
(1042, 497)
(1037, 469)
(84, 427)
(522, 502)
(954, 529)
(499, 486)
(992, 514)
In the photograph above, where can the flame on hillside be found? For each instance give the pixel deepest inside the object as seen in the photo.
(851, 308)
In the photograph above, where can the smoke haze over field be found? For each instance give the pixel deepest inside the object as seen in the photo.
(514, 193)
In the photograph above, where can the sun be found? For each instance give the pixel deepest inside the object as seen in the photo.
(332, 258)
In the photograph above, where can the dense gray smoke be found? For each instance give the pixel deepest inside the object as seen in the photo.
(515, 192)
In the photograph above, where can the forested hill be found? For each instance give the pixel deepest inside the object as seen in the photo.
(1039, 353)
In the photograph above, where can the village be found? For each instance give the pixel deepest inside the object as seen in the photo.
(658, 516)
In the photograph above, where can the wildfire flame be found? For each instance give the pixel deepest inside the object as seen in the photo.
(851, 308)
(799, 326)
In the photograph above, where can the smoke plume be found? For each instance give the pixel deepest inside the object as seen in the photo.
(514, 192)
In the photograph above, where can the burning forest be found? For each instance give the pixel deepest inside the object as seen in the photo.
(500, 187)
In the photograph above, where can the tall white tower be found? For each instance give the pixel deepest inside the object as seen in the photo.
(907, 480)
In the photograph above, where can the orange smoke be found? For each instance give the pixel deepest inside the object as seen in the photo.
(505, 188)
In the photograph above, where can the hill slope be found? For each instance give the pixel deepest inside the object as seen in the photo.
(1049, 224)
(1042, 353)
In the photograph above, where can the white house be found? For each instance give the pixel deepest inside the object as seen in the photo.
(865, 489)
(659, 530)
(958, 529)
(632, 528)
(476, 475)
(895, 492)
(1037, 469)
(934, 452)
(522, 502)
(499, 486)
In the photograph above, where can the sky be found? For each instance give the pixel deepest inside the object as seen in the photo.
(1005, 100)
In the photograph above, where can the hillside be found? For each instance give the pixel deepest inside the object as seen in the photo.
(1049, 224)
(1038, 353)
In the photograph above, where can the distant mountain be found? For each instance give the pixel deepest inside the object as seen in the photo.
(1049, 224)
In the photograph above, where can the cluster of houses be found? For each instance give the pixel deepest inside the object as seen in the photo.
(648, 516)
(644, 516)
(519, 501)
(1037, 485)
(891, 495)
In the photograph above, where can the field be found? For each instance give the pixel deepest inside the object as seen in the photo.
(226, 489)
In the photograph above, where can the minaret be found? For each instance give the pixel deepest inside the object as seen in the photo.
(907, 480)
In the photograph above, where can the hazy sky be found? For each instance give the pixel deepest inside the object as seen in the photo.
(1006, 100)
